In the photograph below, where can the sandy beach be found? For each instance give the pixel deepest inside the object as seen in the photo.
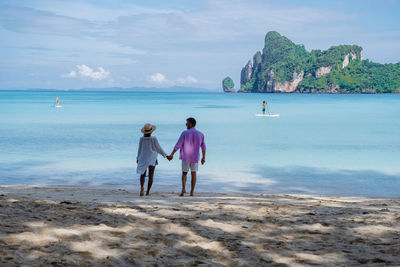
(106, 227)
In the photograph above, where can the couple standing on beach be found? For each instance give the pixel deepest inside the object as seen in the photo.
(189, 143)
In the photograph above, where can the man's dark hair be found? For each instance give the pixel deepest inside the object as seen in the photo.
(191, 121)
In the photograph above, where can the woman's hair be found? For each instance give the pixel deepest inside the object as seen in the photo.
(263, 101)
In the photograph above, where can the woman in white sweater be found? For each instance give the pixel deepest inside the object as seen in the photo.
(148, 150)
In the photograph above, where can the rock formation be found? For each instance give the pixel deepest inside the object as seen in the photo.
(322, 71)
(245, 75)
(346, 60)
(289, 86)
(228, 85)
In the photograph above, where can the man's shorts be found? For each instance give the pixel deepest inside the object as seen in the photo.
(192, 166)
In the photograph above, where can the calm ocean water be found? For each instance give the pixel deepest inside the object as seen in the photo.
(320, 144)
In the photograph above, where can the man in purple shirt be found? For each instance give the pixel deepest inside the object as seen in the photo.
(189, 144)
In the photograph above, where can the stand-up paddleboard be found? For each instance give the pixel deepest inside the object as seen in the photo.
(267, 115)
(57, 106)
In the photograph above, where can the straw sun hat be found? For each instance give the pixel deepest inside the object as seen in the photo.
(148, 128)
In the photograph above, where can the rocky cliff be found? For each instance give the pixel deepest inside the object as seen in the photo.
(286, 67)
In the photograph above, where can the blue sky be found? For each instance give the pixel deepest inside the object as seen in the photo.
(115, 43)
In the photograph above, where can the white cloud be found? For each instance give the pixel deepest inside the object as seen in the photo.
(71, 74)
(221, 21)
(34, 21)
(94, 11)
(87, 72)
(187, 79)
(159, 79)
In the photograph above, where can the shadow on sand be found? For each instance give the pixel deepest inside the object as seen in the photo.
(207, 230)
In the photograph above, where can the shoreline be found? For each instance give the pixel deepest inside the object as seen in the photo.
(133, 189)
(83, 226)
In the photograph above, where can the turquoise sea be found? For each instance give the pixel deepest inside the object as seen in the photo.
(320, 144)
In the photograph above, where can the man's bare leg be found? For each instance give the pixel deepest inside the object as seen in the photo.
(184, 178)
(193, 184)
(150, 182)
(142, 178)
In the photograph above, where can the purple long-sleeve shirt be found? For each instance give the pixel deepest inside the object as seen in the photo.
(189, 144)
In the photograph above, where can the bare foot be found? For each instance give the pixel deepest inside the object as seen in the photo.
(182, 193)
(147, 193)
(191, 193)
(141, 192)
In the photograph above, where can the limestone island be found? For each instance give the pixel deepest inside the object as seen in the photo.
(228, 85)
(285, 67)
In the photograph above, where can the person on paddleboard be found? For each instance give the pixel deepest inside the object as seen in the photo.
(264, 106)
(58, 101)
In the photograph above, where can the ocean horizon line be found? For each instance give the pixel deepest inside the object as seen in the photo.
(167, 90)
(118, 89)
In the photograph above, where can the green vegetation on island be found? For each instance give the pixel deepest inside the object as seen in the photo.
(283, 66)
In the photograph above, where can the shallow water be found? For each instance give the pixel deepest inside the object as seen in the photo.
(320, 144)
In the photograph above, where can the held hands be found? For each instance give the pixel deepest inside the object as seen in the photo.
(171, 156)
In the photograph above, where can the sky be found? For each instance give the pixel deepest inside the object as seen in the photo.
(72, 44)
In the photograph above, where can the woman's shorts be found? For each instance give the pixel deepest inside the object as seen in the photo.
(155, 163)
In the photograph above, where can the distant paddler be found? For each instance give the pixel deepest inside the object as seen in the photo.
(57, 105)
(264, 106)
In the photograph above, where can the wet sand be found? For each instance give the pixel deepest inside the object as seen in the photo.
(104, 227)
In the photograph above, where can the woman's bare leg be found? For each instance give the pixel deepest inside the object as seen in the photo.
(151, 176)
(142, 179)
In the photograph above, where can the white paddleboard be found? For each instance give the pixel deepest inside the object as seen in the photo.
(267, 115)
(59, 106)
